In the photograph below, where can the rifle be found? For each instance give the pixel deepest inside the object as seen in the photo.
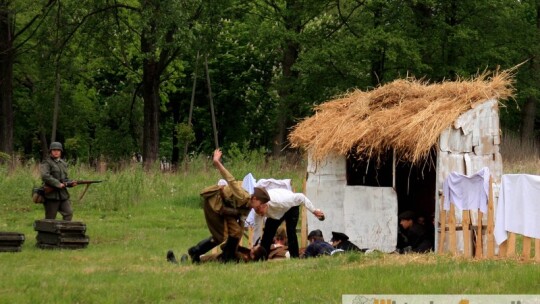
(70, 183)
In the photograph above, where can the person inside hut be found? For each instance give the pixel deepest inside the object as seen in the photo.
(428, 222)
(340, 241)
(317, 246)
(414, 236)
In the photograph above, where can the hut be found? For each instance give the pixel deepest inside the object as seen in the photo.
(373, 154)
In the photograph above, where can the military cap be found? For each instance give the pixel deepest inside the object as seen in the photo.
(339, 236)
(261, 194)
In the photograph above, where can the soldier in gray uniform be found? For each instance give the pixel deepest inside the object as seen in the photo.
(54, 174)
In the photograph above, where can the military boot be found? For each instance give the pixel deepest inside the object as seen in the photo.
(201, 248)
(229, 250)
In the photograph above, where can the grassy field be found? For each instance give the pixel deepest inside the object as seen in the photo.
(133, 218)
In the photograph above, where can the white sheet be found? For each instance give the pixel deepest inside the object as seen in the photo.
(518, 208)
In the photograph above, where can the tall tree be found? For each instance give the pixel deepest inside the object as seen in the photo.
(286, 20)
(529, 112)
(11, 40)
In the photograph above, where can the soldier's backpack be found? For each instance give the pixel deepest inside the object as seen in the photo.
(38, 195)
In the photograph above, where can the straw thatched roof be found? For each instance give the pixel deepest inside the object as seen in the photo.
(407, 115)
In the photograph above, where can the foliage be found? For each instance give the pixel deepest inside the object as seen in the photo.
(269, 62)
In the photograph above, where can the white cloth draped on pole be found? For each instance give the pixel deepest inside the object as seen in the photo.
(467, 192)
(518, 207)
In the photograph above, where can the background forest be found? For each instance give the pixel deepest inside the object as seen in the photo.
(171, 78)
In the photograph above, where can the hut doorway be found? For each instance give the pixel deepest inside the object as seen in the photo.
(416, 186)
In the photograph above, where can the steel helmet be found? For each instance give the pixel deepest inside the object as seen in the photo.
(56, 146)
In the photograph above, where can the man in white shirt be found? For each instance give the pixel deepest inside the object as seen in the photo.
(280, 205)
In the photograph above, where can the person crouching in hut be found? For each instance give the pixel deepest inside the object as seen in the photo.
(415, 238)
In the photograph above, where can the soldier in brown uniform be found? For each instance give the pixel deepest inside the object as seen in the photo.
(54, 173)
(223, 207)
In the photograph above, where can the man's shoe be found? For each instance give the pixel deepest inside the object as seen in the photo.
(184, 258)
(171, 258)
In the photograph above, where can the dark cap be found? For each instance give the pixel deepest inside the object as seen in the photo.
(315, 233)
(339, 236)
(56, 146)
(261, 194)
(406, 215)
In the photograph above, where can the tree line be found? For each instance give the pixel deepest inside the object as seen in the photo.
(166, 78)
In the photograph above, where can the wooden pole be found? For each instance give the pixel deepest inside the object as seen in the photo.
(452, 230)
(303, 227)
(192, 103)
(465, 223)
(511, 249)
(479, 246)
(214, 127)
(442, 227)
(537, 250)
(84, 192)
(526, 253)
(490, 222)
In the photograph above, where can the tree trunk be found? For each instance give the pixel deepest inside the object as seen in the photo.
(377, 54)
(530, 106)
(528, 118)
(151, 113)
(175, 157)
(150, 88)
(289, 76)
(7, 57)
(56, 105)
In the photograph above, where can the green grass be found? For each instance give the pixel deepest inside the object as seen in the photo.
(134, 218)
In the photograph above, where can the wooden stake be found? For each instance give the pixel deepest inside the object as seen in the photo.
(491, 223)
(442, 226)
(84, 192)
(537, 250)
(511, 249)
(526, 252)
(479, 246)
(214, 127)
(465, 223)
(452, 230)
(303, 227)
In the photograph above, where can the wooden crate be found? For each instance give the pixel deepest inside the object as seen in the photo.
(11, 241)
(57, 234)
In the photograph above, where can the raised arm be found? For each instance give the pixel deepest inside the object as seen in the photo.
(236, 188)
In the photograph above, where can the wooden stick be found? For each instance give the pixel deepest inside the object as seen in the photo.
(442, 226)
(537, 250)
(511, 249)
(490, 223)
(503, 248)
(303, 227)
(452, 230)
(526, 251)
(465, 223)
(84, 192)
(479, 245)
